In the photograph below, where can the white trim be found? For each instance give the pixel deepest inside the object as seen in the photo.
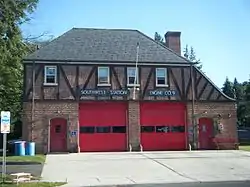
(132, 85)
(162, 85)
(103, 84)
(156, 77)
(103, 67)
(45, 76)
(50, 84)
(136, 73)
(113, 63)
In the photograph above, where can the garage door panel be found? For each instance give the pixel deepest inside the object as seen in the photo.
(102, 142)
(163, 126)
(102, 126)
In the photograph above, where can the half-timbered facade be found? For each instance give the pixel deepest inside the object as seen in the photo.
(85, 91)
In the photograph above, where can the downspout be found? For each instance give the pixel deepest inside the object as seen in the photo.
(33, 101)
(78, 135)
(193, 117)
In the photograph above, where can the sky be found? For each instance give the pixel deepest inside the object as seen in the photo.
(217, 30)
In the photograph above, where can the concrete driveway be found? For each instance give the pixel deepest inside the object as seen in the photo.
(87, 169)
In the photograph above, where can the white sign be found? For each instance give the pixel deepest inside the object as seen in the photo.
(5, 122)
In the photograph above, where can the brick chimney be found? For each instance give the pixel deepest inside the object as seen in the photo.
(173, 41)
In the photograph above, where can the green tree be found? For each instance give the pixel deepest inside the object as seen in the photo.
(239, 90)
(247, 92)
(246, 105)
(189, 54)
(228, 88)
(12, 49)
(159, 38)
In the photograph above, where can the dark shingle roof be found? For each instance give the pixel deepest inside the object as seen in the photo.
(112, 45)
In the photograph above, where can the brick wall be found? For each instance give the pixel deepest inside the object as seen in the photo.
(134, 124)
(44, 111)
(229, 132)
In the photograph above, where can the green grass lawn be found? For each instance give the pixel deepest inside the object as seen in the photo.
(244, 147)
(33, 184)
(36, 159)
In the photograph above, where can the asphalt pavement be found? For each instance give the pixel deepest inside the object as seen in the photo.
(34, 169)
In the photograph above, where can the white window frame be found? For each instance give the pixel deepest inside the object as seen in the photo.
(45, 75)
(156, 77)
(103, 84)
(137, 78)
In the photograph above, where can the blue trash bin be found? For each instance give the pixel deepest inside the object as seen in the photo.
(30, 148)
(20, 148)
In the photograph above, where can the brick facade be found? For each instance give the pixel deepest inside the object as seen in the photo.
(228, 119)
(44, 111)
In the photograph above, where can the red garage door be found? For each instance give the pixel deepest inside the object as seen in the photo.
(102, 126)
(163, 126)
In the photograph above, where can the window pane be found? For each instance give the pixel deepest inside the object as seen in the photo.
(131, 76)
(50, 79)
(147, 129)
(103, 75)
(119, 129)
(161, 72)
(87, 130)
(131, 72)
(161, 80)
(162, 129)
(178, 129)
(131, 80)
(103, 72)
(103, 80)
(50, 71)
(103, 129)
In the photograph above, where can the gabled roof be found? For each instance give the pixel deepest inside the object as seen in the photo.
(105, 45)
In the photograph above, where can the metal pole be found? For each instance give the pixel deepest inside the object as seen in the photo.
(136, 72)
(4, 156)
(193, 116)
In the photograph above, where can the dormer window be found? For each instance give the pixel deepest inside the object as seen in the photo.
(50, 75)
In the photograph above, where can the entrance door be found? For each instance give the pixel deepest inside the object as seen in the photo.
(205, 133)
(58, 135)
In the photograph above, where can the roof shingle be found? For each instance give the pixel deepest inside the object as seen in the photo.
(112, 45)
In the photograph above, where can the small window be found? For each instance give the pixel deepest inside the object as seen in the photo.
(87, 130)
(162, 129)
(58, 129)
(147, 129)
(103, 129)
(178, 129)
(161, 76)
(119, 129)
(103, 75)
(132, 76)
(204, 128)
(50, 73)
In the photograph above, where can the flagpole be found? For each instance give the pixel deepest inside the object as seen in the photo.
(136, 67)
